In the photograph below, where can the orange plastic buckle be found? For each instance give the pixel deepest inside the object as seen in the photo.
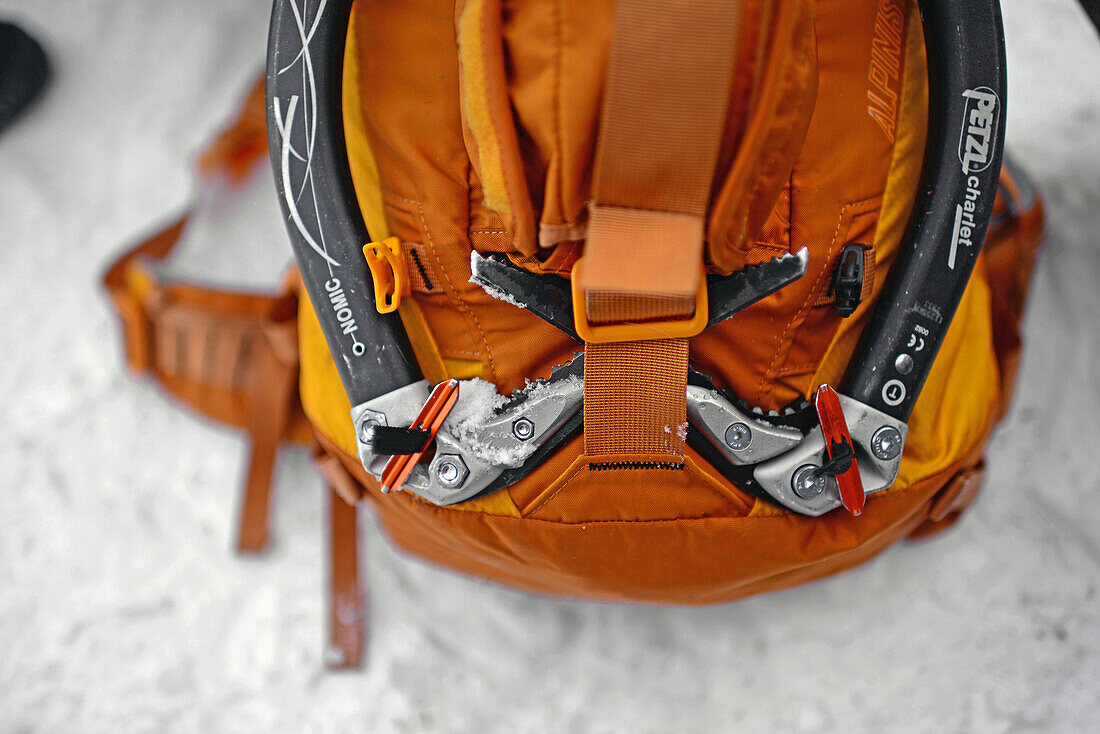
(638, 331)
(389, 273)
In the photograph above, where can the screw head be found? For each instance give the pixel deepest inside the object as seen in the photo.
(805, 484)
(365, 429)
(738, 436)
(451, 470)
(904, 364)
(523, 429)
(368, 420)
(448, 472)
(887, 443)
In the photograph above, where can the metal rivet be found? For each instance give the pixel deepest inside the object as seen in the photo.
(886, 444)
(738, 436)
(806, 484)
(903, 364)
(523, 429)
(368, 419)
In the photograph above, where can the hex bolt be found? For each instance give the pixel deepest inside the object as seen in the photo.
(887, 443)
(805, 484)
(451, 471)
(368, 420)
(523, 429)
(364, 429)
(738, 436)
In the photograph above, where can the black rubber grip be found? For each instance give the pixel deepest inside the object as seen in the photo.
(966, 89)
(309, 157)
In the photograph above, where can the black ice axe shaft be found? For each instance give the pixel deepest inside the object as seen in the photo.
(306, 138)
(966, 90)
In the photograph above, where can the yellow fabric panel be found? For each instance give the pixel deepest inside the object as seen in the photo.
(323, 398)
(364, 171)
(957, 401)
(424, 347)
(464, 369)
(496, 503)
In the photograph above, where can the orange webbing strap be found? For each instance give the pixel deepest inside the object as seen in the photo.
(634, 397)
(664, 113)
(231, 356)
(346, 615)
(346, 618)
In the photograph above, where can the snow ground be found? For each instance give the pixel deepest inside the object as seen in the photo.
(121, 608)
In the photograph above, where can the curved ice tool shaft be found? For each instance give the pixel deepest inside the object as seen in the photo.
(966, 88)
(306, 140)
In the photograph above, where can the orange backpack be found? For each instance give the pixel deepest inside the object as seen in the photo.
(614, 251)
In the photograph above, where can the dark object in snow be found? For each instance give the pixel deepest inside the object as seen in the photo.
(24, 71)
(1092, 7)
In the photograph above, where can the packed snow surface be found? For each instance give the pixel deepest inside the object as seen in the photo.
(123, 610)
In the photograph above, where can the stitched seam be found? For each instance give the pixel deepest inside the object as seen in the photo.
(405, 199)
(421, 269)
(794, 369)
(631, 465)
(457, 297)
(782, 343)
(774, 247)
(541, 504)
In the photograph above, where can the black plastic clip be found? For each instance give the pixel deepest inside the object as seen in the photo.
(848, 280)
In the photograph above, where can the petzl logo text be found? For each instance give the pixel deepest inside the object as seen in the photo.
(979, 129)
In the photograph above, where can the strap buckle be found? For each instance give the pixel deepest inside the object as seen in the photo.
(389, 273)
(637, 331)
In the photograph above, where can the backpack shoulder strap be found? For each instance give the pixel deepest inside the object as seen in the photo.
(230, 356)
(233, 357)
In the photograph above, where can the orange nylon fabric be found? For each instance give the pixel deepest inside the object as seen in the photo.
(646, 253)
(663, 116)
